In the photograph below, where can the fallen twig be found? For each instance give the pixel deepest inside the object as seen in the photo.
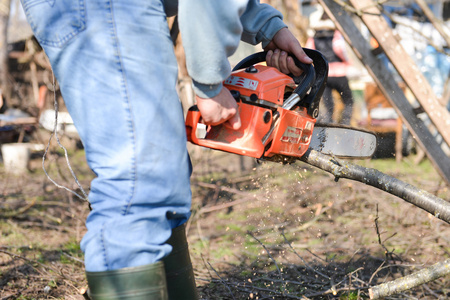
(408, 282)
(226, 189)
(250, 289)
(224, 205)
(221, 188)
(222, 281)
(387, 253)
(16, 294)
(35, 262)
(20, 211)
(304, 262)
(318, 215)
(31, 262)
(333, 292)
(273, 259)
(73, 257)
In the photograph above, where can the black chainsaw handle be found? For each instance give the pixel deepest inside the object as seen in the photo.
(312, 100)
(311, 83)
(308, 69)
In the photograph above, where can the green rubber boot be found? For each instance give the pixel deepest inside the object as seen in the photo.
(134, 283)
(179, 272)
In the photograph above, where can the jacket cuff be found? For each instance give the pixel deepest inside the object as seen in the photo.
(270, 29)
(206, 90)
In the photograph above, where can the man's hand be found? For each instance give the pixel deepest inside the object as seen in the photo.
(220, 109)
(283, 43)
(223, 107)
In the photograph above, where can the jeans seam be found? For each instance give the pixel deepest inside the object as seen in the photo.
(105, 255)
(128, 107)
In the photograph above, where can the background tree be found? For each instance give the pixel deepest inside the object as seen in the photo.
(4, 17)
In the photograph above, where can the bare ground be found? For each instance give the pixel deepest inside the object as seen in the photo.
(257, 231)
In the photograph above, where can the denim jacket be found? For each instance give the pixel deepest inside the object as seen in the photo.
(211, 31)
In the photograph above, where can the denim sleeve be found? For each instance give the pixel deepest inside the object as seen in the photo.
(211, 31)
(260, 22)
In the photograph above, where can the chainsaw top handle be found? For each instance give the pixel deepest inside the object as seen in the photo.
(311, 83)
(308, 70)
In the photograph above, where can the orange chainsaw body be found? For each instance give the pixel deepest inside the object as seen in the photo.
(267, 129)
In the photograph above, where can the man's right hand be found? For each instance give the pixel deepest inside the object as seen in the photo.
(284, 42)
(220, 109)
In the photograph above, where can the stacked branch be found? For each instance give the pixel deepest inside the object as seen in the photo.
(399, 285)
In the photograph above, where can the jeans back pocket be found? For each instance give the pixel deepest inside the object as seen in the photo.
(55, 22)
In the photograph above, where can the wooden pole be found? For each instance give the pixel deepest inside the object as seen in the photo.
(405, 66)
(387, 84)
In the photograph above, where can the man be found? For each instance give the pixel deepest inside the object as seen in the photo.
(331, 44)
(117, 71)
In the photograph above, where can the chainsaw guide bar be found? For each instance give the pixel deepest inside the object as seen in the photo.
(343, 141)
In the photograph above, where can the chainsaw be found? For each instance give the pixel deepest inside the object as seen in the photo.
(278, 115)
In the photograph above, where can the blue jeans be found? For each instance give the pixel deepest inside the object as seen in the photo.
(116, 67)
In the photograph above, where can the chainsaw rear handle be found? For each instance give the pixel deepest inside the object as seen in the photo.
(245, 141)
(192, 120)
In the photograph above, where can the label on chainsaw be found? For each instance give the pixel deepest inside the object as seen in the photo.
(292, 135)
(242, 82)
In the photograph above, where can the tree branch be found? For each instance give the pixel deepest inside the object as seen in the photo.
(410, 281)
(342, 169)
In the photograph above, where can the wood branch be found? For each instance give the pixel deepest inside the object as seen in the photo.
(221, 188)
(34, 82)
(283, 290)
(208, 209)
(20, 121)
(21, 55)
(33, 264)
(19, 211)
(342, 169)
(445, 99)
(222, 281)
(225, 205)
(410, 281)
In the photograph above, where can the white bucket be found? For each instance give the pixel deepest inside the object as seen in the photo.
(16, 157)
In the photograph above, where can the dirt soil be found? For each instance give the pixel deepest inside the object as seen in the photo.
(257, 231)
